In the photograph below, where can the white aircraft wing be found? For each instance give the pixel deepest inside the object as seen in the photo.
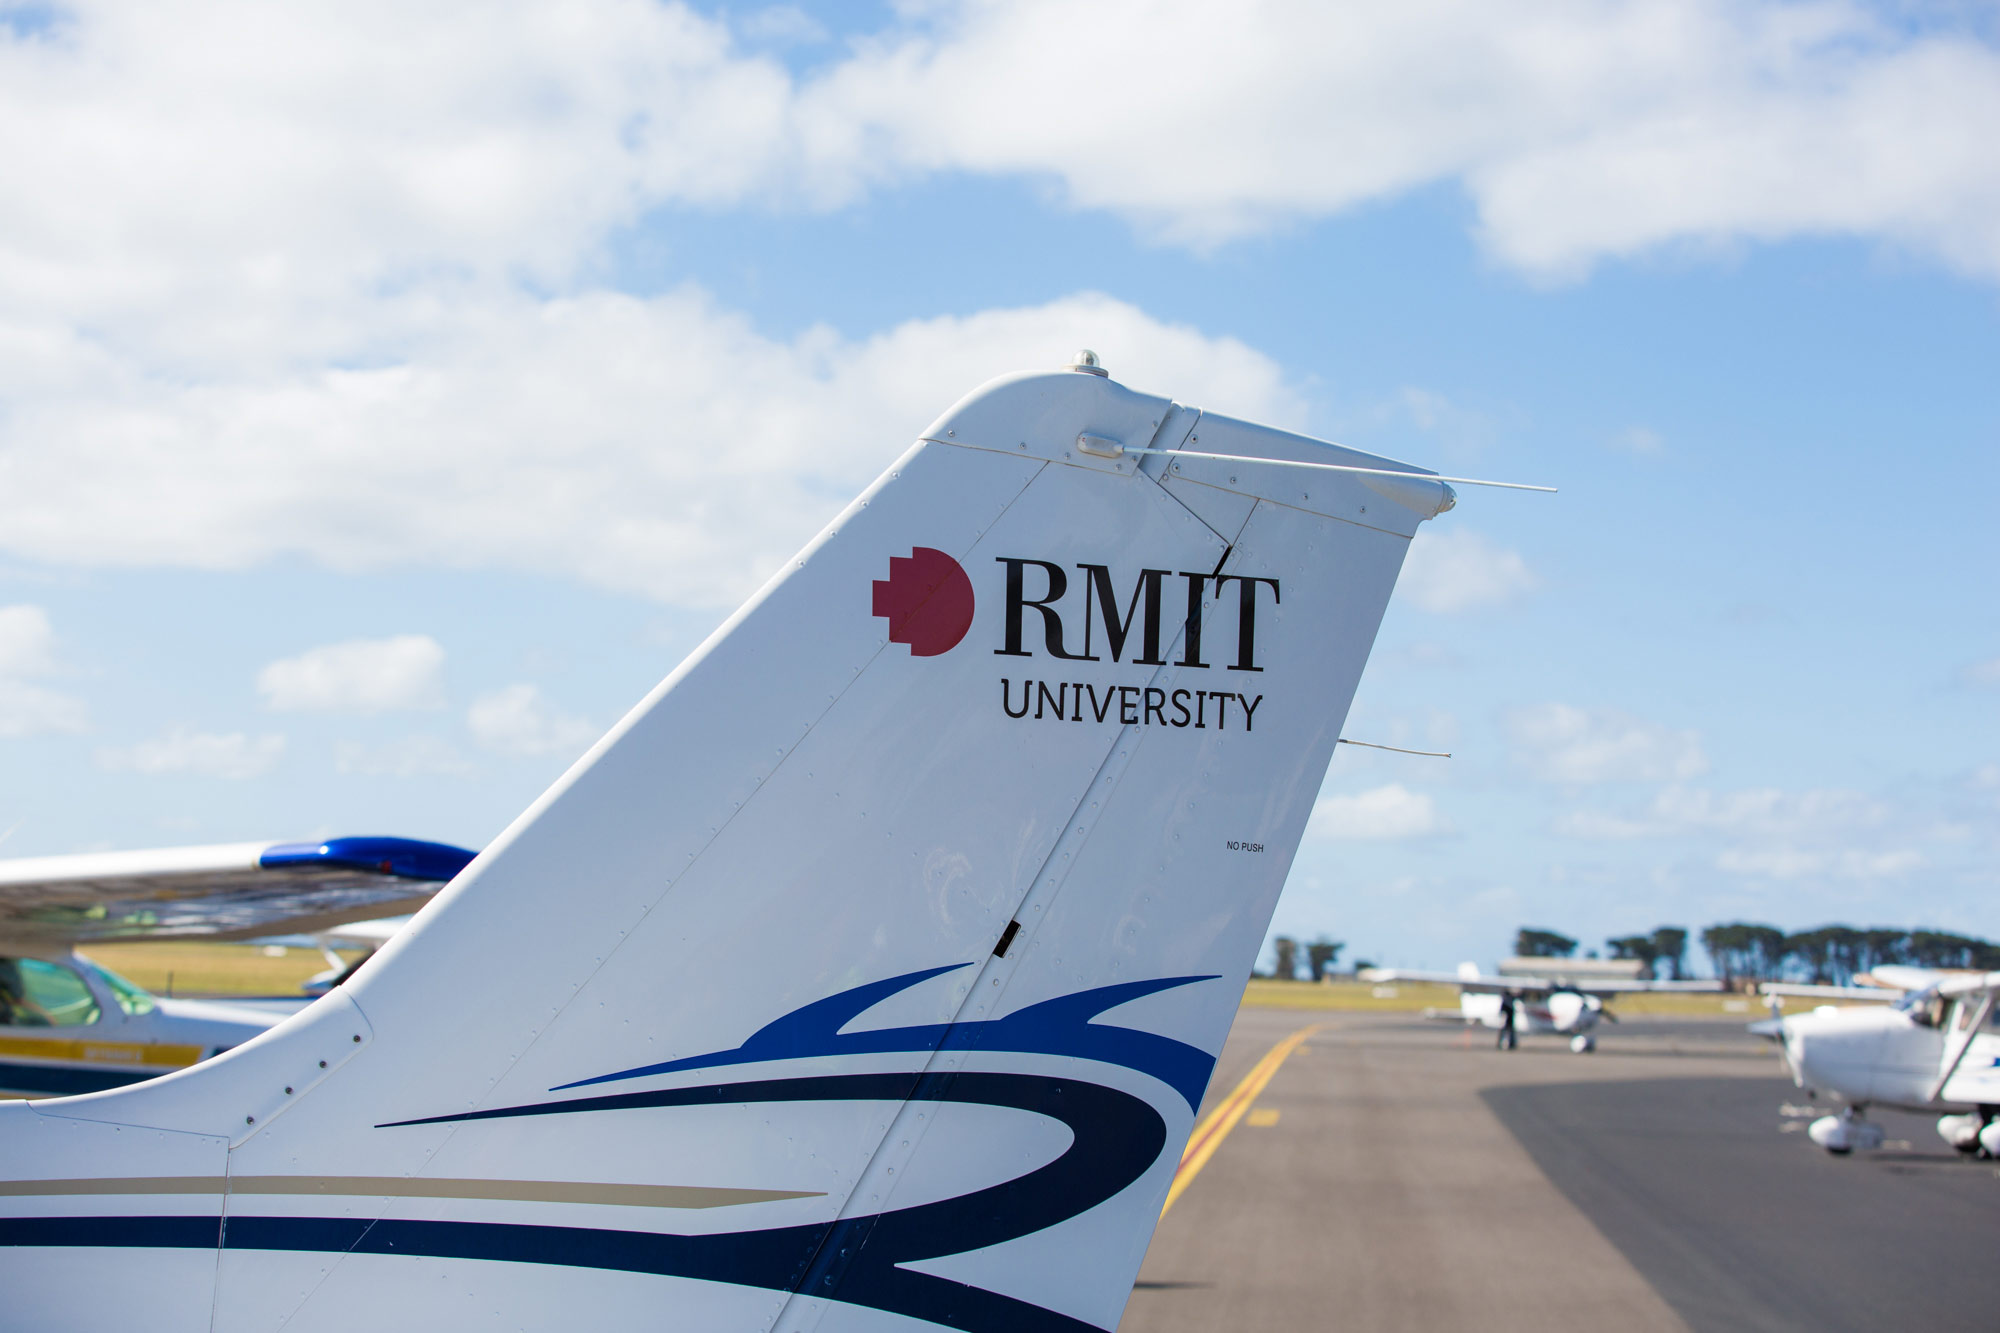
(363, 934)
(1902, 976)
(1806, 991)
(1965, 984)
(1639, 987)
(229, 892)
(1491, 985)
(1383, 976)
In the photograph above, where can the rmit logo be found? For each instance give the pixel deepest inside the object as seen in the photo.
(1100, 610)
(927, 601)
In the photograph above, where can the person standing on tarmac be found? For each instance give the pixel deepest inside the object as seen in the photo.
(1506, 1041)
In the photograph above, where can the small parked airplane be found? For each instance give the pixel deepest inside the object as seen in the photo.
(866, 976)
(368, 936)
(69, 1025)
(1555, 1004)
(1931, 1043)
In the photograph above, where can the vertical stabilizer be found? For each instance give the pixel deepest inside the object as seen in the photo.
(871, 970)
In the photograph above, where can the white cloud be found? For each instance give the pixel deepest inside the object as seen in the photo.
(1769, 812)
(655, 445)
(204, 754)
(1599, 824)
(1793, 863)
(28, 710)
(362, 320)
(317, 150)
(1822, 833)
(1387, 812)
(1463, 430)
(1455, 569)
(27, 641)
(518, 721)
(1981, 675)
(27, 649)
(357, 676)
(1579, 130)
(1637, 440)
(409, 757)
(1747, 813)
(785, 25)
(1426, 653)
(1558, 743)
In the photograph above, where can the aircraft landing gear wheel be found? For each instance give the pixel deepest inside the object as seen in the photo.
(1583, 1045)
(1962, 1132)
(1842, 1134)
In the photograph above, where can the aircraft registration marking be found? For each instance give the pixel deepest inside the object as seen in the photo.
(102, 1052)
(405, 1187)
(1208, 1135)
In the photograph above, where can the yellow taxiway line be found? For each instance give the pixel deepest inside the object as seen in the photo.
(1210, 1133)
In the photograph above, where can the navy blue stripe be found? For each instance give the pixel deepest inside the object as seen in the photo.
(1116, 1138)
(725, 1258)
(148, 1233)
(897, 1087)
(58, 1082)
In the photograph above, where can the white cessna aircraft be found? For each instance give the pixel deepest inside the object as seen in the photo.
(865, 977)
(1933, 1044)
(1554, 1004)
(68, 1025)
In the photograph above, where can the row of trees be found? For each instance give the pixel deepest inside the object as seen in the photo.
(1664, 952)
(1832, 955)
(1744, 951)
(1320, 954)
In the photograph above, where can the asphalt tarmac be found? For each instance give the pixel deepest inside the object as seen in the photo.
(1412, 1177)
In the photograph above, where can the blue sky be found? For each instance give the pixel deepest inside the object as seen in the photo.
(387, 403)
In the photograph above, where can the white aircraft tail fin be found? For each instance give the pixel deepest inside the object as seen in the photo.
(871, 970)
(1468, 971)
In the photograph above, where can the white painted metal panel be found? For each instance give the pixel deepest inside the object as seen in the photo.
(746, 949)
(85, 1243)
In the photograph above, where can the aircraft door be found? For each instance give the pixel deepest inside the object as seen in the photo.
(1967, 1070)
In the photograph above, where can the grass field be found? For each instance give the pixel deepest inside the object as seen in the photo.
(1404, 997)
(243, 969)
(212, 969)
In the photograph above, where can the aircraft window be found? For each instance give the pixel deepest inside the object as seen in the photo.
(130, 998)
(1925, 1009)
(38, 994)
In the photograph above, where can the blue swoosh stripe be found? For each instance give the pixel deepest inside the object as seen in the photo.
(1060, 1026)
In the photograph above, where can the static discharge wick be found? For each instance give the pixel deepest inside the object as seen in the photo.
(1342, 467)
(1397, 749)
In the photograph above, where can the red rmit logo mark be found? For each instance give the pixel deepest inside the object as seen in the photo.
(927, 600)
